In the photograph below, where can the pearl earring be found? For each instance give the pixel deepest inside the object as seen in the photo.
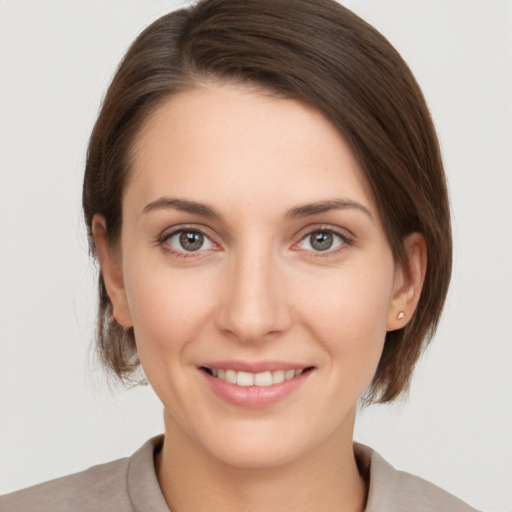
(401, 315)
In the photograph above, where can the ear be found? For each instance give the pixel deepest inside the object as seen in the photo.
(112, 271)
(408, 283)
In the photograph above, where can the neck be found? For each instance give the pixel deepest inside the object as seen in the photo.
(192, 479)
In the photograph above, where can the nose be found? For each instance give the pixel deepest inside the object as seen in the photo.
(253, 302)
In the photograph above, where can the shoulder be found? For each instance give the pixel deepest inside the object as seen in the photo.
(393, 490)
(101, 487)
(124, 485)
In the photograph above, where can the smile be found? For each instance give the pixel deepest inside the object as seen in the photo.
(246, 379)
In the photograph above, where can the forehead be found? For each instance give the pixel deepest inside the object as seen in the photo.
(228, 141)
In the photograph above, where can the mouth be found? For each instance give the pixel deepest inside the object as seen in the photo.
(261, 379)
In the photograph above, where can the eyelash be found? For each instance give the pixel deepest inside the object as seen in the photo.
(345, 241)
(163, 241)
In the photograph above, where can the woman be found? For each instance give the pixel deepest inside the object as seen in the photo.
(265, 195)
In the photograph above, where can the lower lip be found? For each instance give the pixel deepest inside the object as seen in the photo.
(255, 397)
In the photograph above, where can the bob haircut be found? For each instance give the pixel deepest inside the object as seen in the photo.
(318, 53)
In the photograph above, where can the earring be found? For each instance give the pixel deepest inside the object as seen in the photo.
(401, 315)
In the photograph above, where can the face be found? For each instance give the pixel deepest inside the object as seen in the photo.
(256, 274)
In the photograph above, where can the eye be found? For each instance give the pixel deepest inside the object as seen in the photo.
(322, 240)
(189, 240)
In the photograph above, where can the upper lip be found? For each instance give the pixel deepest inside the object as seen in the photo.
(254, 366)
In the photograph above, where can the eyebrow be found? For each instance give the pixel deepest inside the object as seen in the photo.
(182, 205)
(310, 209)
(298, 212)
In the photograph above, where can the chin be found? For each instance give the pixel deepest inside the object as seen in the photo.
(256, 455)
(260, 445)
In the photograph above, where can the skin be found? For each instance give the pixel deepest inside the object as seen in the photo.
(257, 290)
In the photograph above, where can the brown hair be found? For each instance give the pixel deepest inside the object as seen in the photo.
(319, 53)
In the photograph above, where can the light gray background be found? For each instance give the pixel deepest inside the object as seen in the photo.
(57, 414)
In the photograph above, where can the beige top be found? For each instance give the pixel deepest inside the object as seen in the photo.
(130, 485)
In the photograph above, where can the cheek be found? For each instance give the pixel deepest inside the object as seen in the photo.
(169, 308)
(347, 315)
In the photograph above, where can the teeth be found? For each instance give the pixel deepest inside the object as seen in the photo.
(262, 379)
(278, 376)
(231, 376)
(245, 379)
